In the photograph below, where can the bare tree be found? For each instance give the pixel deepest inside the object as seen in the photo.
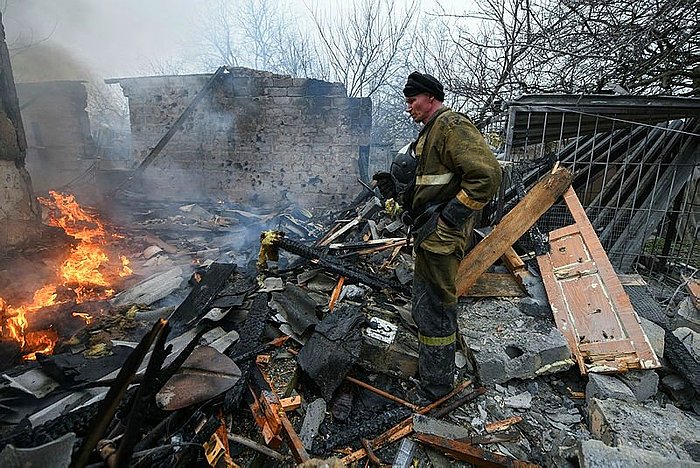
(218, 32)
(365, 42)
(486, 56)
(649, 46)
(258, 34)
(505, 48)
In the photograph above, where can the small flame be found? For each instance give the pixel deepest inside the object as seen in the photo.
(81, 272)
(84, 316)
(125, 271)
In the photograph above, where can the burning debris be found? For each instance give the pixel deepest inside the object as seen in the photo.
(87, 274)
(303, 348)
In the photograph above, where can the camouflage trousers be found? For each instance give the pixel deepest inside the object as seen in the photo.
(434, 306)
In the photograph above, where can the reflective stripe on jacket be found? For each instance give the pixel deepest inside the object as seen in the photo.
(453, 161)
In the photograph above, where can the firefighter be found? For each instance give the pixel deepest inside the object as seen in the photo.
(454, 174)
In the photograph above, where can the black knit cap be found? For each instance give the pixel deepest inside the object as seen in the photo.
(423, 83)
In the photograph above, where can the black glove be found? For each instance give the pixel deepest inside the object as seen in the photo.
(455, 214)
(385, 184)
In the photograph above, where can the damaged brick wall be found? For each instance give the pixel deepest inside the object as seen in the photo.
(256, 137)
(19, 211)
(59, 143)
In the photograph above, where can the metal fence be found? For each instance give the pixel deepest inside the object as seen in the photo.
(636, 166)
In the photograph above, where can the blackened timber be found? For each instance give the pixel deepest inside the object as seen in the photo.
(195, 304)
(109, 405)
(470, 453)
(252, 330)
(367, 428)
(337, 266)
(77, 421)
(203, 435)
(144, 396)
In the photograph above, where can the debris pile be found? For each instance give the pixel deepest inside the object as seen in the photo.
(287, 336)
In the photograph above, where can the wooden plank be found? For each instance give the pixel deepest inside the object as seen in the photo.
(590, 307)
(464, 451)
(693, 288)
(632, 280)
(512, 260)
(502, 425)
(607, 347)
(513, 225)
(496, 285)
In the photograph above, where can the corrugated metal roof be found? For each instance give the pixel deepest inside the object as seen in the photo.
(542, 118)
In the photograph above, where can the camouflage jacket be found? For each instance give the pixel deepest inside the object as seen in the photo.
(454, 162)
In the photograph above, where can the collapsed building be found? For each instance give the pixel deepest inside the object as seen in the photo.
(315, 348)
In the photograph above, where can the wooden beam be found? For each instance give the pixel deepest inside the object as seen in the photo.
(470, 453)
(496, 285)
(513, 225)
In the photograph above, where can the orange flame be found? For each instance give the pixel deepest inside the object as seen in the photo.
(81, 272)
(84, 316)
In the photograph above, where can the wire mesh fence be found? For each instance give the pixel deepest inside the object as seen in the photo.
(636, 173)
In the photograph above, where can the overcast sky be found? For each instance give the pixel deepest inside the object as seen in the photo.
(115, 38)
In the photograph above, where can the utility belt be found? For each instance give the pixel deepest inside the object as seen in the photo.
(426, 222)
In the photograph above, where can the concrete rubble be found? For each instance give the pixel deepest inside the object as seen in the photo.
(352, 354)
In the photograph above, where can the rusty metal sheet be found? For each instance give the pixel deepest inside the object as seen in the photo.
(205, 374)
(589, 304)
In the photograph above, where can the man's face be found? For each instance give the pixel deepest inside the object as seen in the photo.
(420, 107)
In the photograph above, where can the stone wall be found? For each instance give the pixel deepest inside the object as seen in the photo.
(19, 210)
(59, 144)
(256, 137)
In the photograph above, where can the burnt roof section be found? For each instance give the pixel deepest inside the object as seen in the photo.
(543, 118)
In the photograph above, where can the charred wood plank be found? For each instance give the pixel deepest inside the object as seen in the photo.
(470, 453)
(252, 330)
(109, 405)
(204, 434)
(144, 396)
(365, 429)
(195, 304)
(405, 427)
(339, 267)
(333, 348)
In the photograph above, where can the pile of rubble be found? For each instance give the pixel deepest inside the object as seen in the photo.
(287, 337)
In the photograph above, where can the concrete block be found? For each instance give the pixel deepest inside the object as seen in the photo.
(690, 339)
(296, 91)
(603, 386)
(398, 358)
(655, 335)
(643, 383)
(508, 344)
(595, 454)
(427, 425)
(315, 414)
(688, 316)
(668, 431)
(275, 91)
